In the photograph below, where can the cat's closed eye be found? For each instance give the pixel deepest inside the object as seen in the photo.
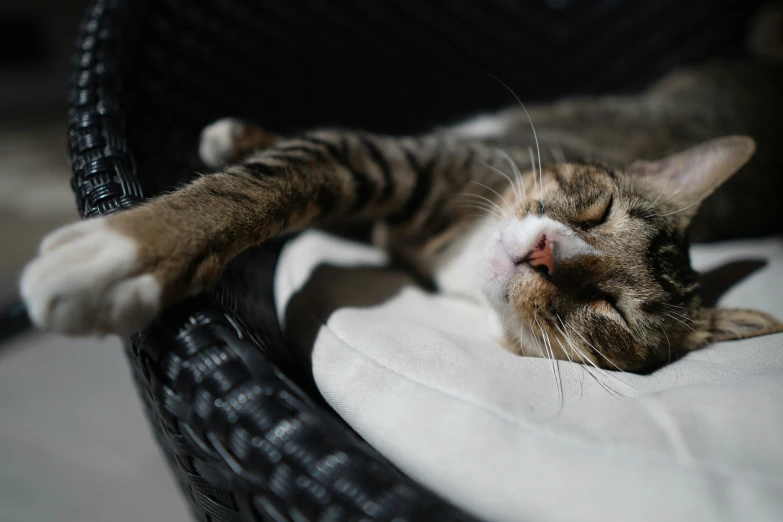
(597, 213)
(607, 308)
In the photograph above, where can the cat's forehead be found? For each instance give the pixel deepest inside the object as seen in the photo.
(580, 179)
(591, 171)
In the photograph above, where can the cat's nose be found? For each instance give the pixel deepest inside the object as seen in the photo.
(541, 257)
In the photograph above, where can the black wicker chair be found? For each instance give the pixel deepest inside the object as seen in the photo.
(244, 430)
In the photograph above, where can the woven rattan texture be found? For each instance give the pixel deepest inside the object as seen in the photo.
(103, 176)
(249, 445)
(244, 440)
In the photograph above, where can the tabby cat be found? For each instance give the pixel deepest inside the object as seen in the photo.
(580, 249)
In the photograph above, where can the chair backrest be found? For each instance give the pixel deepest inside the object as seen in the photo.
(395, 66)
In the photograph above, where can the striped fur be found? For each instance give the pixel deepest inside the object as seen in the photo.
(619, 292)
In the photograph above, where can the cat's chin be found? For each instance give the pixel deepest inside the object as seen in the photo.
(498, 271)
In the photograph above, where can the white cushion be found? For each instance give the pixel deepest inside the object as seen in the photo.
(421, 379)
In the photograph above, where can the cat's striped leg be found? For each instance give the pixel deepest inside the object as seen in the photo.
(114, 274)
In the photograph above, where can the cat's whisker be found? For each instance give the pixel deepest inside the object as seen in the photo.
(585, 358)
(494, 191)
(483, 199)
(707, 193)
(554, 366)
(584, 367)
(520, 180)
(535, 340)
(558, 376)
(517, 177)
(566, 351)
(538, 346)
(589, 361)
(686, 325)
(599, 352)
(480, 206)
(532, 127)
(652, 209)
(513, 186)
(478, 217)
(573, 328)
(680, 315)
(699, 200)
(668, 179)
(589, 371)
(507, 324)
(676, 307)
(668, 342)
(517, 173)
(533, 168)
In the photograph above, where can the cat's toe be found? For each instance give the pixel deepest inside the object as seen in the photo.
(88, 279)
(65, 234)
(217, 142)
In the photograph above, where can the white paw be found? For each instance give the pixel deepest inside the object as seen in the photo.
(88, 280)
(217, 141)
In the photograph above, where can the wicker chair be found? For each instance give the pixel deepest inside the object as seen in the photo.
(243, 428)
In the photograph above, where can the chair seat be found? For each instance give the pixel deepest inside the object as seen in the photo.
(238, 420)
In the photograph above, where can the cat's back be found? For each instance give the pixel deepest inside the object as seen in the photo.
(718, 98)
(686, 107)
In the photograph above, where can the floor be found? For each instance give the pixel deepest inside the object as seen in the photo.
(74, 443)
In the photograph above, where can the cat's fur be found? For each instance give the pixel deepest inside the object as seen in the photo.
(584, 260)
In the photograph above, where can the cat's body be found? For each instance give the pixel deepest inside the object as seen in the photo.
(578, 260)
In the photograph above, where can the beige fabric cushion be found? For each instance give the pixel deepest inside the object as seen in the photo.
(419, 377)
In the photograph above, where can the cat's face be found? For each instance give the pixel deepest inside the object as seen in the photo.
(593, 266)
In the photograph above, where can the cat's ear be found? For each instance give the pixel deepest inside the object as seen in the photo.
(727, 324)
(686, 178)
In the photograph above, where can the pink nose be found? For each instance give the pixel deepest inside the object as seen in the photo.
(541, 257)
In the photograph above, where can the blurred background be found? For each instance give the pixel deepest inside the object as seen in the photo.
(74, 444)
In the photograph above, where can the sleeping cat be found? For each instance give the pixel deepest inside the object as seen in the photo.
(582, 256)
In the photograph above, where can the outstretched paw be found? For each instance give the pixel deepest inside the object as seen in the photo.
(90, 279)
(229, 140)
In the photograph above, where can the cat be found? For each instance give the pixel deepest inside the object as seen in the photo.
(581, 251)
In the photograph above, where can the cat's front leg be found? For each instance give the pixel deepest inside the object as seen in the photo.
(91, 278)
(114, 274)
